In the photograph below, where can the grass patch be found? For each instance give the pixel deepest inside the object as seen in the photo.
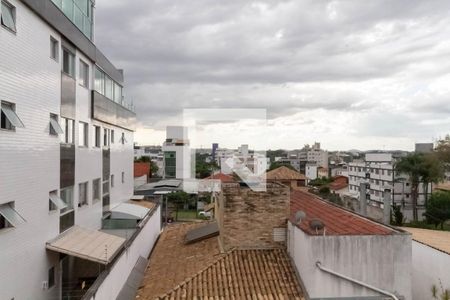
(186, 214)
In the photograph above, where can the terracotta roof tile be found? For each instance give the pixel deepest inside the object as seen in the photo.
(437, 239)
(222, 177)
(337, 221)
(243, 274)
(284, 173)
(172, 261)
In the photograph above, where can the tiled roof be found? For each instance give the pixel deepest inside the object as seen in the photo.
(339, 182)
(200, 271)
(284, 173)
(172, 261)
(222, 177)
(337, 221)
(141, 168)
(437, 239)
(242, 274)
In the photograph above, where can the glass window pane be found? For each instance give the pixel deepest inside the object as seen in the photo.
(99, 81)
(67, 8)
(108, 87)
(8, 18)
(11, 215)
(57, 200)
(55, 128)
(11, 115)
(117, 93)
(67, 197)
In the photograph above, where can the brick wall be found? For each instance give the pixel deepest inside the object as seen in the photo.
(247, 218)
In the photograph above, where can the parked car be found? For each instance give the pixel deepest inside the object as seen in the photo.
(205, 214)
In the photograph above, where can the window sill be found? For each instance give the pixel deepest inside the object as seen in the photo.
(5, 230)
(83, 147)
(8, 130)
(83, 206)
(96, 201)
(84, 86)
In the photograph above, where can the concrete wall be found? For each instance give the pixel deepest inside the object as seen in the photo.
(141, 246)
(429, 267)
(247, 218)
(382, 261)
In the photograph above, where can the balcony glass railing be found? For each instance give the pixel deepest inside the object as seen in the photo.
(80, 12)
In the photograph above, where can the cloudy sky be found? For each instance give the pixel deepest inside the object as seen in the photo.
(350, 74)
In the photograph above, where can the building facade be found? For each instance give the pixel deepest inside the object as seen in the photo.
(66, 139)
(177, 153)
(378, 171)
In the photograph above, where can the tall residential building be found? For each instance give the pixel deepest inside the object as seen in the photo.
(66, 143)
(177, 153)
(377, 170)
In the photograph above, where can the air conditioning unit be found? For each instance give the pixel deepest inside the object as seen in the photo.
(45, 285)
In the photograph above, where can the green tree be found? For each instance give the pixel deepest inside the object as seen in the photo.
(438, 208)
(419, 168)
(443, 150)
(153, 168)
(180, 199)
(142, 159)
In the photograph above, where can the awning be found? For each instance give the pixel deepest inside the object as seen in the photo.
(129, 211)
(87, 244)
(202, 233)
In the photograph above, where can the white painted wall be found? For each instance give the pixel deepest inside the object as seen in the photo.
(142, 246)
(382, 261)
(30, 157)
(429, 267)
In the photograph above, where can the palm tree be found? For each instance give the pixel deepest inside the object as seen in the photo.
(419, 168)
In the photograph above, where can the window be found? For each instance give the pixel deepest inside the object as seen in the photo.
(67, 198)
(112, 181)
(105, 187)
(108, 87)
(69, 131)
(122, 139)
(123, 177)
(55, 202)
(54, 48)
(51, 277)
(9, 217)
(95, 190)
(97, 136)
(82, 194)
(8, 117)
(117, 93)
(68, 63)
(99, 81)
(83, 134)
(8, 16)
(84, 74)
(105, 137)
(112, 136)
(55, 128)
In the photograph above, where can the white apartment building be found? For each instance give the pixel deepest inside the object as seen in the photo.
(66, 146)
(317, 155)
(177, 153)
(231, 160)
(377, 170)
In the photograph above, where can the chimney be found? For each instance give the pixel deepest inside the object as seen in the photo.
(362, 199)
(387, 207)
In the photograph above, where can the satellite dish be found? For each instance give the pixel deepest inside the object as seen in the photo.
(316, 224)
(299, 216)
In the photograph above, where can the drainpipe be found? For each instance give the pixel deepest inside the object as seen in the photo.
(366, 285)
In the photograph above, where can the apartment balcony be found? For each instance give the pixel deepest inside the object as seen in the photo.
(108, 111)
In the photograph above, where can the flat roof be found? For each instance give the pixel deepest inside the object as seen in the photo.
(87, 244)
(337, 221)
(437, 239)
